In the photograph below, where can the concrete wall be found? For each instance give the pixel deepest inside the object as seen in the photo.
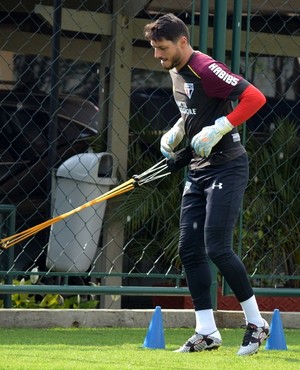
(46, 318)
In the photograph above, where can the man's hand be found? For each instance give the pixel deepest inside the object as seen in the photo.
(209, 136)
(172, 138)
(181, 159)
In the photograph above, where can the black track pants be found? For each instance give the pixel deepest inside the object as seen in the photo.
(210, 207)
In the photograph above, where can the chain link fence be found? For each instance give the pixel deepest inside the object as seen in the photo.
(83, 106)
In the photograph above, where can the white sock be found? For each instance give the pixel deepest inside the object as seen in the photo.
(205, 322)
(251, 312)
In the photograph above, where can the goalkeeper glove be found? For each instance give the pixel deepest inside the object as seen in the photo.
(172, 138)
(209, 136)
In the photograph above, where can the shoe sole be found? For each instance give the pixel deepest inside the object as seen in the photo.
(212, 348)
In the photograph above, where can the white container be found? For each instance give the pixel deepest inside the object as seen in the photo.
(73, 241)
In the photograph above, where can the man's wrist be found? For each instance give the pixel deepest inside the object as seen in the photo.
(223, 125)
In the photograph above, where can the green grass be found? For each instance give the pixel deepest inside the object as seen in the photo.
(113, 348)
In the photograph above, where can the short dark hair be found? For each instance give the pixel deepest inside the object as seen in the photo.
(167, 27)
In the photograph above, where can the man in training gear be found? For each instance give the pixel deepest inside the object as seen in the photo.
(204, 90)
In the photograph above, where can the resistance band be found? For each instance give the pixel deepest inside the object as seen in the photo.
(155, 172)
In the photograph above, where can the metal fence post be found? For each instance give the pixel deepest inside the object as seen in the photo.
(8, 220)
(203, 26)
(219, 47)
(220, 20)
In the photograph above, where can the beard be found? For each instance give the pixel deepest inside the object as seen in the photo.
(171, 63)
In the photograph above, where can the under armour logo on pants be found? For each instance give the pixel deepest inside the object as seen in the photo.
(219, 185)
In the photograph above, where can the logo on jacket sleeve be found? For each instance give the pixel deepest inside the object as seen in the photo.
(229, 78)
(189, 89)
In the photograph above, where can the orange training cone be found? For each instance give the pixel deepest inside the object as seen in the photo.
(277, 339)
(155, 337)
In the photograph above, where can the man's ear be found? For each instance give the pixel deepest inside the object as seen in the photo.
(183, 41)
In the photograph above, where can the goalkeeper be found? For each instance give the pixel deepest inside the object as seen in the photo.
(204, 90)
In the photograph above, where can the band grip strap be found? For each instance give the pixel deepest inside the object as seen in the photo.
(181, 159)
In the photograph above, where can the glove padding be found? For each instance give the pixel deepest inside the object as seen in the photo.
(181, 159)
(172, 138)
(209, 136)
